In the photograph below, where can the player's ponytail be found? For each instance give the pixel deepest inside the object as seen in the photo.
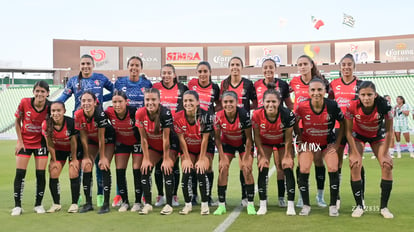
(157, 119)
(50, 123)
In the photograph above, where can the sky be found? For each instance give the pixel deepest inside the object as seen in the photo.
(27, 27)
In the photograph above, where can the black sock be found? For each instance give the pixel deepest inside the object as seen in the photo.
(159, 179)
(204, 187)
(290, 184)
(99, 179)
(333, 185)
(87, 186)
(169, 187)
(121, 183)
(242, 184)
(222, 193)
(339, 182)
(386, 187)
(320, 173)
(363, 182)
(75, 189)
(281, 188)
(137, 185)
(194, 183)
(210, 176)
(19, 186)
(146, 182)
(176, 171)
(55, 190)
(357, 191)
(250, 192)
(40, 186)
(262, 183)
(186, 186)
(106, 177)
(297, 174)
(304, 187)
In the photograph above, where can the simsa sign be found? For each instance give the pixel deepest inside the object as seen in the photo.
(397, 50)
(183, 57)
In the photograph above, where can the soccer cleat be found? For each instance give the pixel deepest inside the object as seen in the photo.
(175, 201)
(250, 209)
(39, 209)
(338, 204)
(398, 154)
(124, 207)
(99, 200)
(321, 202)
(17, 211)
(291, 209)
(299, 204)
(263, 208)
(333, 211)
(188, 207)
(80, 200)
(412, 155)
(136, 207)
(104, 209)
(167, 210)
(282, 202)
(86, 208)
(358, 212)
(204, 210)
(385, 212)
(221, 209)
(160, 201)
(244, 202)
(117, 201)
(146, 209)
(373, 157)
(54, 208)
(305, 210)
(73, 208)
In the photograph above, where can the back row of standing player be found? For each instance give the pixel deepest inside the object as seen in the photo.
(166, 130)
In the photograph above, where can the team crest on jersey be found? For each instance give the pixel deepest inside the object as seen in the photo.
(194, 87)
(328, 117)
(67, 133)
(97, 82)
(143, 90)
(358, 116)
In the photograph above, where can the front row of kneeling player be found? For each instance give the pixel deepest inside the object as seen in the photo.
(152, 133)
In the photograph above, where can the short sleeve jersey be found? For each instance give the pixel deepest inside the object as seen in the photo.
(368, 125)
(273, 132)
(32, 120)
(318, 126)
(134, 90)
(301, 90)
(261, 88)
(125, 129)
(143, 120)
(232, 131)
(245, 92)
(344, 93)
(172, 98)
(193, 132)
(62, 138)
(207, 95)
(91, 125)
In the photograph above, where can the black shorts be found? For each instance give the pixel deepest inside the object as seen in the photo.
(210, 149)
(40, 153)
(62, 156)
(231, 150)
(174, 142)
(128, 149)
(378, 138)
(344, 141)
(275, 147)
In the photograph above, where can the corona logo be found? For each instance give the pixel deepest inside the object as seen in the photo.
(98, 54)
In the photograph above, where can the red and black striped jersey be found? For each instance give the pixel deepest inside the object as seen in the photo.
(245, 92)
(125, 130)
(172, 98)
(91, 125)
(207, 95)
(62, 138)
(232, 131)
(261, 88)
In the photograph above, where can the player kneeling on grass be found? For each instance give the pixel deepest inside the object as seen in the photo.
(97, 136)
(233, 133)
(318, 115)
(193, 126)
(61, 139)
(273, 127)
(369, 119)
(30, 115)
(154, 122)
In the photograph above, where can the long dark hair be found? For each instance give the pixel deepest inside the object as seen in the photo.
(157, 121)
(50, 123)
(173, 68)
(315, 72)
(198, 110)
(206, 63)
(135, 58)
(382, 103)
(80, 76)
(42, 84)
(227, 81)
